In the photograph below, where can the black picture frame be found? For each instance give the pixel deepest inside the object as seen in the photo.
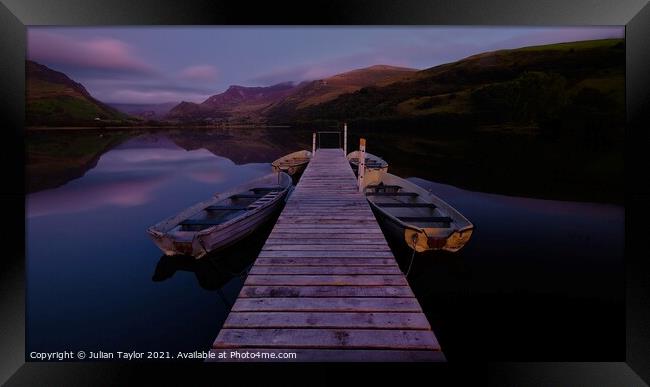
(15, 15)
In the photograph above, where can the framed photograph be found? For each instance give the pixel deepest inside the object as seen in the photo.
(451, 188)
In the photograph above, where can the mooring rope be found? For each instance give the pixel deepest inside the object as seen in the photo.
(415, 239)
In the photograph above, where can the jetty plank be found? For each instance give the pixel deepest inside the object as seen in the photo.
(334, 304)
(327, 338)
(406, 321)
(328, 279)
(320, 270)
(361, 261)
(324, 291)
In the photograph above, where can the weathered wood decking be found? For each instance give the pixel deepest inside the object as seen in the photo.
(326, 285)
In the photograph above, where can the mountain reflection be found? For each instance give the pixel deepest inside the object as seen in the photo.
(55, 159)
(133, 174)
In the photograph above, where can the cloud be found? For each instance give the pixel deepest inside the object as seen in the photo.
(144, 90)
(200, 73)
(426, 48)
(145, 97)
(94, 53)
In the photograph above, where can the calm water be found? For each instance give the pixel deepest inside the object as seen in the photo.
(539, 279)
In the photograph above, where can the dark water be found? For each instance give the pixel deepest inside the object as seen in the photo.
(539, 279)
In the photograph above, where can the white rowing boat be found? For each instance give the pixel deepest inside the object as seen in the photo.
(375, 166)
(223, 219)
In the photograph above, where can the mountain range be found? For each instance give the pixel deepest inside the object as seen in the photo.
(524, 84)
(242, 103)
(145, 111)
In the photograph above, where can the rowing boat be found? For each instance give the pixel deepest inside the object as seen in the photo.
(418, 217)
(375, 166)
(223, 219)
(292, 163)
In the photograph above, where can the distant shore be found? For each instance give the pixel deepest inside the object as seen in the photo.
(153, 127)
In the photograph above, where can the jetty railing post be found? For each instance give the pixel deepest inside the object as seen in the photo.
(313, 144)
(345, 138)
(362, 162)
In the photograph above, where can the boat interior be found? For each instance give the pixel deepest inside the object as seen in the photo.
(294, 160)
(230, 208)
(370, 162)
(407, 206)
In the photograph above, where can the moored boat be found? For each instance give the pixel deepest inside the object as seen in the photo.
(415, 215)
(223, 219)
(292, 163)
(375, 166)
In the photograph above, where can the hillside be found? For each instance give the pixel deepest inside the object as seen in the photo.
(526, 85)
(155, 111)
(324, 90)
(54, 99)
(241, 103)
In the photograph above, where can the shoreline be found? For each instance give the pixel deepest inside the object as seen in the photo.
(132, 128)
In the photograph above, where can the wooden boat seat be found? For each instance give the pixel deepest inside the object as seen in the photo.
(406, 205)
(431, 219)
(263, 200)
(410, 194)
(247, 196)
(225, 208)
(201, 222)
(265, 189)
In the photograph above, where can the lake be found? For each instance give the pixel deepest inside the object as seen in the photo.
(540, 279)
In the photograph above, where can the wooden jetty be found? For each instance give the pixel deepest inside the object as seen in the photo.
(326, 286)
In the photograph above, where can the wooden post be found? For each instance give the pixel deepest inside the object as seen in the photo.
(313, 144)
(345, 138)
(362, 162)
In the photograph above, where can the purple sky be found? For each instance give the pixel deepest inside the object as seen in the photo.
(165, 64)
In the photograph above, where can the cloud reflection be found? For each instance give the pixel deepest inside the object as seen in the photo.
(128, 177)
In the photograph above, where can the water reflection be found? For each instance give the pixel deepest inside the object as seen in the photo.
(56, 158)
(216, 269)
(131, 176)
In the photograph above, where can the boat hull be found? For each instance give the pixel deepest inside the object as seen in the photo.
(292, 163)
(237, 231)
(219, 238)
(378, 168)
(419, 237)
(172, 240)
(422, 240)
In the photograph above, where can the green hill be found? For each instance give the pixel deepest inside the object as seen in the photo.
(522, 87)
(53, 99)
